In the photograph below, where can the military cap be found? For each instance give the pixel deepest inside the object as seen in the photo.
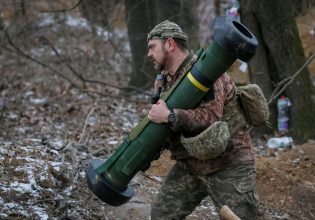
(167, 29)
(210, 143)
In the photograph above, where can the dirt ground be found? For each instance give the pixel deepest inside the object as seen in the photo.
(49, 131)
(285, 182)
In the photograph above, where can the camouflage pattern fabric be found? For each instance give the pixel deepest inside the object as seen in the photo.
(229, 179)
(210, 143)
(234, 115)
(182, 192)
(254, 104)
(191, 122)
(167, 29)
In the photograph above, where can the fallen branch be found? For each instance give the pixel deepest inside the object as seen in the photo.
(149, 177)
(95, 153)
(85, 123)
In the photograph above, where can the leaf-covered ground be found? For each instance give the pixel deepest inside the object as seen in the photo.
(46, 146)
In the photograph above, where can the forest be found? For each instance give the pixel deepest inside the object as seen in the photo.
(75, 80)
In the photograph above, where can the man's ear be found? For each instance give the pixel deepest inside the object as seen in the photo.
(170, 44)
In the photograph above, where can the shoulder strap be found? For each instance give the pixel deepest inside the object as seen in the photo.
(138, 129)
(234, 115)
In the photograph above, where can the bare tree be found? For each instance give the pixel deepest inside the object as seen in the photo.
(139, 19)
(279, 56)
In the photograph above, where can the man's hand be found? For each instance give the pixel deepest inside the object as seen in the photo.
(159, 112)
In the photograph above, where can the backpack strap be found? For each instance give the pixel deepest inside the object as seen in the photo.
(234, 115)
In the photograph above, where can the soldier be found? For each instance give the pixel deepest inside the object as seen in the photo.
(227, 173)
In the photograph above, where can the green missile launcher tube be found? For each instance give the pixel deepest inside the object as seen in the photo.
(109, 179)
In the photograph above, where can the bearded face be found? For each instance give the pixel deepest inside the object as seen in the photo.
(157, 54)
(160, 66)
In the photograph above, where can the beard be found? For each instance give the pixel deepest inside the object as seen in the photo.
(160, 66)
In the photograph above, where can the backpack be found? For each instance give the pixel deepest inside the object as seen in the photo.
(248, 107)
(254, 104)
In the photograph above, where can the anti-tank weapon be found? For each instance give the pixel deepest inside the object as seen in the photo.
(109, 179)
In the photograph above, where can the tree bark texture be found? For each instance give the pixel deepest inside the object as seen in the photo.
(98, 11)
(140, 20)
(279, 56)
(301, 6)
(183, 13)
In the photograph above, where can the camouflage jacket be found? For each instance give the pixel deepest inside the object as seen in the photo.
(191, 122)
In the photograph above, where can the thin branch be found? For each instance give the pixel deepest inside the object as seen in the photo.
(287, 81)
(95, 153)
(149, 177)
(117, 51)
(62, 10)
(43, 39)
(86, 120)
(118, 87)
(63, 59)
(117, 96)
(21, 53)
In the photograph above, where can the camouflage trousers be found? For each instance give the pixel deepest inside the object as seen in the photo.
(182, 192)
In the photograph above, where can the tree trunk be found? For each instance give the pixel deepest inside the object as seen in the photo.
(301, 6)
(139, 18)
(279, 56)
(259, 65)
(23, 9)
(101, 12)
(183, 13)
